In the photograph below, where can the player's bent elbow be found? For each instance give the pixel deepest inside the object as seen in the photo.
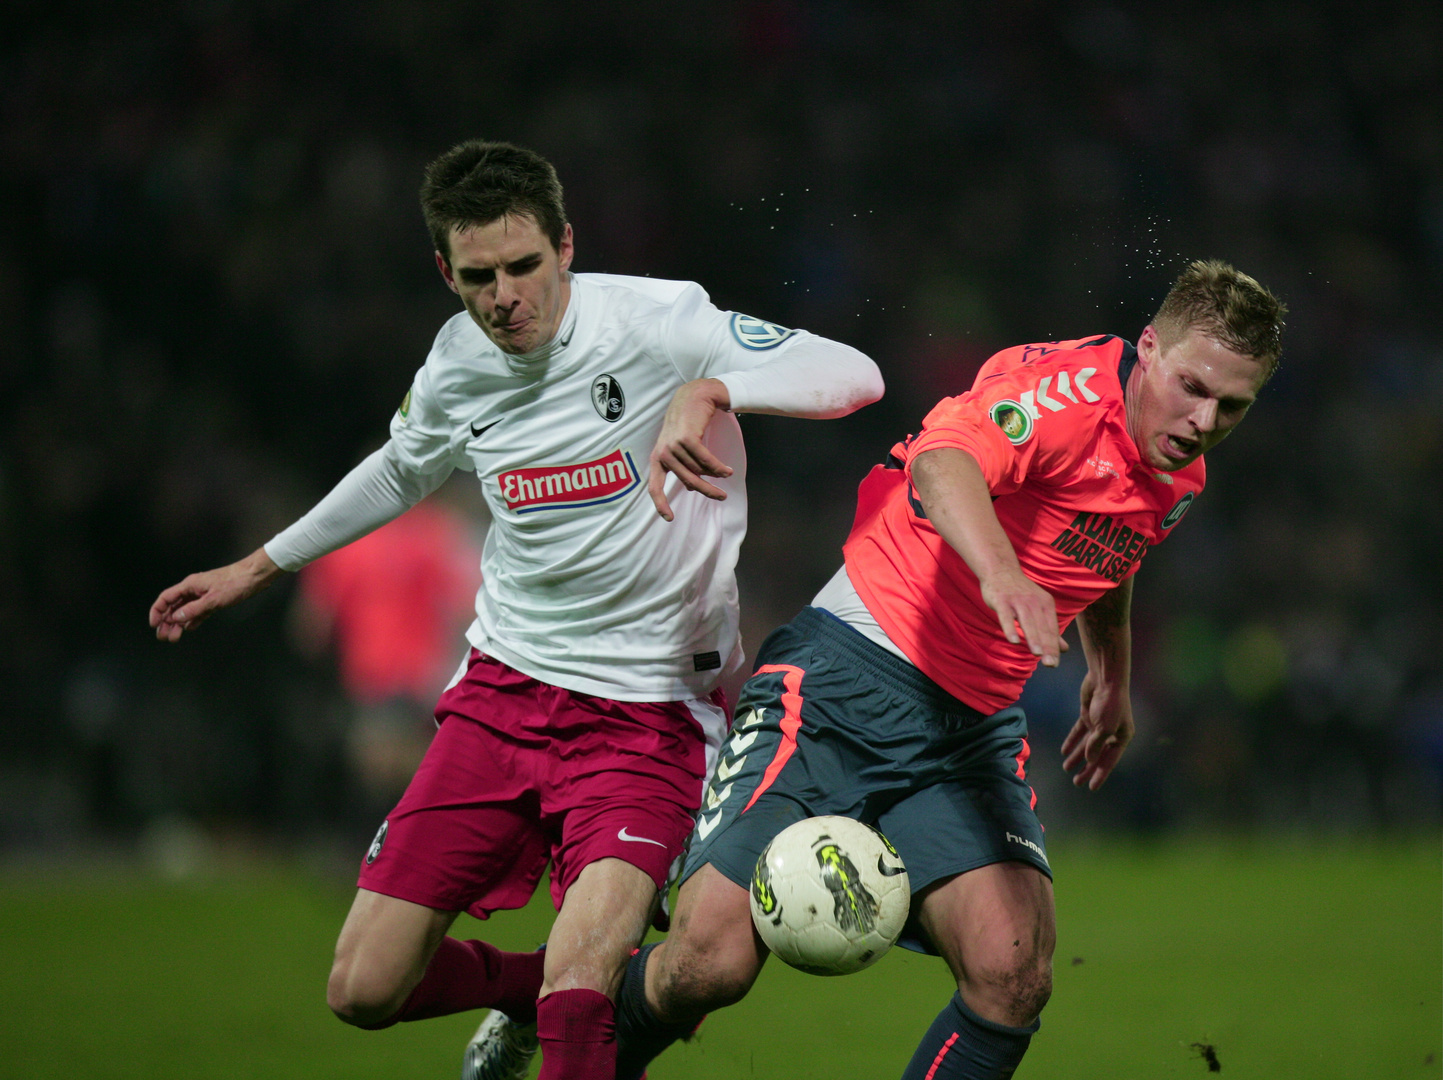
(876, 386)
(851, 380)
(867, 387)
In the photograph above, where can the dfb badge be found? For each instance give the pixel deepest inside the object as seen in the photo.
(758, 335)
(606, 395)
(1013, 419)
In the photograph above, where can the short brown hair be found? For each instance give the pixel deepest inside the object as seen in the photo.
(1229, 307)
(476, 183)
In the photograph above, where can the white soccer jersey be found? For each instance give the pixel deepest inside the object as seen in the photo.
(584, 585)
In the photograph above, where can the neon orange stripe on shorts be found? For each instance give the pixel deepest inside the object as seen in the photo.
(1022, 771)
(791, 724)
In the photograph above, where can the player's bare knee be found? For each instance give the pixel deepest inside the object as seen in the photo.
(697, 982)
(695, 973)
(360, 1001)
(585, 973)
(363, 1013)
(711, 957)
(1029, 991)
(1011, 991)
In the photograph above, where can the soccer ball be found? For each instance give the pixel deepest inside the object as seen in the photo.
(830, 895)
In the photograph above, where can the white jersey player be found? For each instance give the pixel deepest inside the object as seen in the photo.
(597, 412)
(583, 585)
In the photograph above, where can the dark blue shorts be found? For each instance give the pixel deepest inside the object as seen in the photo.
(831, 723)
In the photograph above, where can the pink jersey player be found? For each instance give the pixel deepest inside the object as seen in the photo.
(1026, 502)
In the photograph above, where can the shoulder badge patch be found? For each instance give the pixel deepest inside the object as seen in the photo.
(377, 842)
(1175, 514)
(405, 409)
(606, 395)
(1013, 419)
(758, 335)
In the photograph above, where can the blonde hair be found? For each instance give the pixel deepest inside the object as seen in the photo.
(1228, 306)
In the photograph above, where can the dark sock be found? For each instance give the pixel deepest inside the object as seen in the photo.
(577, 1031)
(640, 1036)
(960, 1045)
(474, 975)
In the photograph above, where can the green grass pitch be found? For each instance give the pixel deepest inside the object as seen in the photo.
(1305, 961)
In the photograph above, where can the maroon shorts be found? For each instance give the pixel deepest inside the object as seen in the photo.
(521, 772)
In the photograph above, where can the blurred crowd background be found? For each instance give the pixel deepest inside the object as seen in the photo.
(215, 287)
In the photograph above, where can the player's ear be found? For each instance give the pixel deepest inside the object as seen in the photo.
(445, 268)
(567, 248)
(1147, 346)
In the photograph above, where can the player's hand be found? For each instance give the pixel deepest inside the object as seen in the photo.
(185, 606)
(1104, 728)
(1026, 612)
(679, 448)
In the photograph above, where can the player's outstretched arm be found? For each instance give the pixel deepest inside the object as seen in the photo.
(959, 504)
(680, 448)
(378, 490)
(1104, 724)
(186, 605)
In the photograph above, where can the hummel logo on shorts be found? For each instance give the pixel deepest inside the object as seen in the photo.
(624, 835)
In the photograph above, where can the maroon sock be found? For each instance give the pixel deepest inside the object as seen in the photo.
(474, 975)
(577, 1029)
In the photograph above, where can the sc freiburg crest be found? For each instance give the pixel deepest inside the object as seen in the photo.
(377, 842)
(606, 395)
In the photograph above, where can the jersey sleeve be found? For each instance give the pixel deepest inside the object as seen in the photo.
(376, 491)
(993, 424)
(422, 451)
(425, 437)
(766, 367)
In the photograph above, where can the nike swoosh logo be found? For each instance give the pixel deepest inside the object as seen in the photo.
(476, 432)
(888, 871)
(565, 342)
(624, 835)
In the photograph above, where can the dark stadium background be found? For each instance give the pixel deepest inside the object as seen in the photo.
(215, 286)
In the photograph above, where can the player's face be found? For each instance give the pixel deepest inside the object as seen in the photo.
(1185, 399)
(512, 281)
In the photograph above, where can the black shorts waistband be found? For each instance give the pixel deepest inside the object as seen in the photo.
(897, 673)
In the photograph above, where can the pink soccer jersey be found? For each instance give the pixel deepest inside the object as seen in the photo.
(1047, 425)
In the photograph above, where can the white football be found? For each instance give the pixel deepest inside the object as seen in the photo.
(830, 895)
